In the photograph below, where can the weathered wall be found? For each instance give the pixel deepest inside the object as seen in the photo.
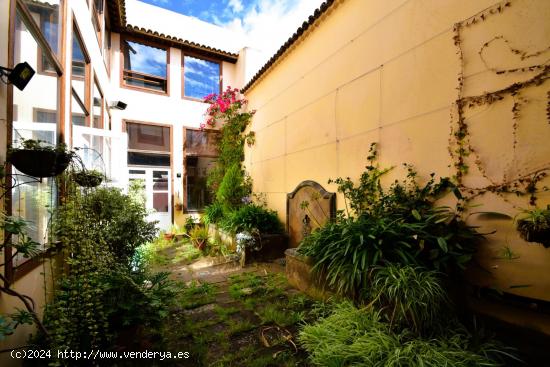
(388, 72)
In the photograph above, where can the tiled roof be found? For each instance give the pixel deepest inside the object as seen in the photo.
(295, 37)
(117, 14)
(178, 42)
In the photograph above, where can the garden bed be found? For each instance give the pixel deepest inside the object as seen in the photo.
(299, 274)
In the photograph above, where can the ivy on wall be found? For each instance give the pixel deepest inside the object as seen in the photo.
(460, 146)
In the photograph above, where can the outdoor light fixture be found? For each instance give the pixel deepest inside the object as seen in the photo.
(19, 76)
(118, 105)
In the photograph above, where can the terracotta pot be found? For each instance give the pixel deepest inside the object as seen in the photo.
(169, 236)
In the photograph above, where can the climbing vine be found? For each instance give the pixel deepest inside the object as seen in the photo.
(460, 147)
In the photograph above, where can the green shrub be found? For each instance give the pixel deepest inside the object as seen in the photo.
(252, 218)
(233, 188)
(357, 337)
(213, 213)
(398, 225)
(121, 222)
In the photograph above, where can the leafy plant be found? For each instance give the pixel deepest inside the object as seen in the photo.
(199, 236)
(30, 144)
(409, 296)
(397, 225)
(213, 213)
(358, 337)
(253, 218)
(534, 226)
(88, 178)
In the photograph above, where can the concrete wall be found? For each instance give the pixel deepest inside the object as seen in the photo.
(387, 72)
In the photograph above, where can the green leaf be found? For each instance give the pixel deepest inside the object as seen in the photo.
(442, 244)
(416, 214)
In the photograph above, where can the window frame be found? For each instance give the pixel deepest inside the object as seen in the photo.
(18, 9)
(144, 42)
(102, 104)
(185, 202)
(84, 104)
(200, 57)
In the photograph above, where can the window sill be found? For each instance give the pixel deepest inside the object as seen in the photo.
(29, 265)
(146, 90)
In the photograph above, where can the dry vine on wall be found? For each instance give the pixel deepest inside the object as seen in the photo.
(460, 146)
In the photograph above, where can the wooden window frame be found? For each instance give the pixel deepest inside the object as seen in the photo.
(98, 17)
(84, 104)
(201, 57)
(123, 84)
(19, 8)
(102, 104)
(36, 110)
(39, 57)
(184, 170)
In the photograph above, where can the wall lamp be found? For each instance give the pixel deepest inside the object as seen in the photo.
(19, 76)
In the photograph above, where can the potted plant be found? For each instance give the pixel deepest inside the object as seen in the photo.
(534, 226)
(199, 237)
(38, 160)
(88, 178)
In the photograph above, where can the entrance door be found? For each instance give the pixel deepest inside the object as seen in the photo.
(153, 186)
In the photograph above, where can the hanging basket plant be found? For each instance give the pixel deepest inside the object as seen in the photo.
(534, 226)
(88, 178)
(37, 160)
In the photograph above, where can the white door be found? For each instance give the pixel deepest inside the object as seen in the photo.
(156, 188)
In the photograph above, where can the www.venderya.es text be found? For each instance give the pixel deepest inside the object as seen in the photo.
(95, 354)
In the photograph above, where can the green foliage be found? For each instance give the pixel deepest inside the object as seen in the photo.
(358, 337)
(16, 233)
(213, 213)
(234, 186)
(8, 323)
(121, 222)
(136, 191)
(534, 226)
(199, 236)
(30, 144)
(398, 225)
(409, 296)
(253, 218)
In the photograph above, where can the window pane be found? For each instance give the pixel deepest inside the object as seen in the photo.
(36, 118)
(197, 168)
(78, 61)
(144, 59)
(160, 180)
(97, 108)
(78, 117)
(147, 159)
(203, 142)
(46, 16)
(201, 77)
(160, 202)
(148, 137)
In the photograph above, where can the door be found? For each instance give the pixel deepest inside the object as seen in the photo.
(153, 187)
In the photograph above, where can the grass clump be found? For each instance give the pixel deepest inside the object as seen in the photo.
(353, 336)
(197, 294)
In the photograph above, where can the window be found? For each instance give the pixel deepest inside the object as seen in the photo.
(97, 108)
(46, 14)
(80, 89)
(145, 66)
(148, 145)
(200, 77)
(98, 19)
(35, 118)
(200, 150)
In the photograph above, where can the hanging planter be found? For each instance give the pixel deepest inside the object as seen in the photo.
(36, 160)
(87, 178)
(535, 226)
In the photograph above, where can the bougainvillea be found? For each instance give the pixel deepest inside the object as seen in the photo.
(227, 111)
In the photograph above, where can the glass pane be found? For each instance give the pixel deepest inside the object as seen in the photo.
(160, 202)
(147, 159)
(203, 142)
(196, 169)
(36, 118)
(78, 116)
(160, 180)
(144, 59)
(78, 60)
(148, 137)
(201, 77)
(46, 15)
(97, 108)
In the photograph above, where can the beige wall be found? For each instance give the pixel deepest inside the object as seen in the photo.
(387, 72)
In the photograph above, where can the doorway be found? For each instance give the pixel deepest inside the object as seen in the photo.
(153, 187)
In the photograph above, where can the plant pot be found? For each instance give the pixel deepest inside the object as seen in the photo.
(541, 236)
(169, 236)
(180, 237)
(40, 163)
(200, 244)
(86, 179)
